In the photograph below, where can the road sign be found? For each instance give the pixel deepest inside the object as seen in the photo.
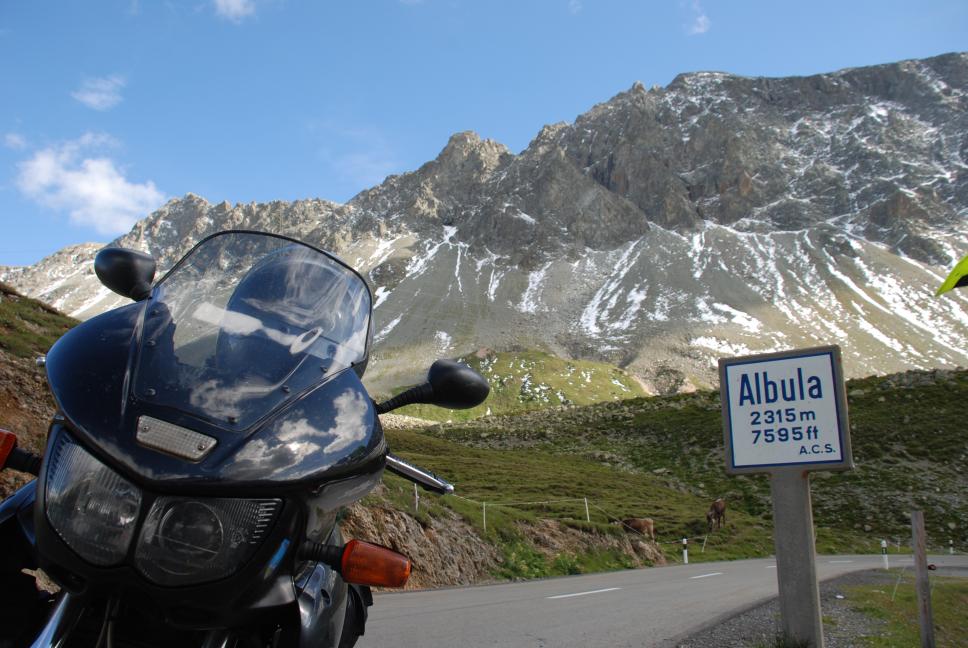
(786, 414)
(785, 409)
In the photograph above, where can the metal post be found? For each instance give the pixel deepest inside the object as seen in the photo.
(484, 508)
(884, 554)
(588, 517)
(925, 617)
(685, 551)
(416, 500)
(796, 568)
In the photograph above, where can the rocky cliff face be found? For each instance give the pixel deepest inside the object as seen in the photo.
(719, 215)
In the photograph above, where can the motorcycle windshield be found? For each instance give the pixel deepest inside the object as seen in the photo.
(245, 322)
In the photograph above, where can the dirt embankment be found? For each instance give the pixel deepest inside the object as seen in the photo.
(26, 407)
(446, 550)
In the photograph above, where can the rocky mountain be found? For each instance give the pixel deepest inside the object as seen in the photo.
(666, 227)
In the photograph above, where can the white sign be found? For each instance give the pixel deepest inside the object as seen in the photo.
(785, 410)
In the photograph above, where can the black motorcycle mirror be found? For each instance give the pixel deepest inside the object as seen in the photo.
(126, 272)
(449, 384)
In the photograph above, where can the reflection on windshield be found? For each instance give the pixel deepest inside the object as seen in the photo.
(225, 402)
(349, 427)
(299, 436)
(238, 323)
(244, 321)
(297, 446)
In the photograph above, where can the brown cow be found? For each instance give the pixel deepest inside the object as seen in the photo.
(717, 514)
(642, 526)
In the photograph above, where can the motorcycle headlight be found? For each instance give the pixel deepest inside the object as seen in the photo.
(193, 540)
(91, 507)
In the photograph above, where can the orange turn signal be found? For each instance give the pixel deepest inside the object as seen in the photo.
(369, 564)
(8, 441)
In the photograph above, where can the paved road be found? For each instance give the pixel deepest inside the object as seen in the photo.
(644, 607)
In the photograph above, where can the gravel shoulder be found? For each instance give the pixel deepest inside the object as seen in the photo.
(844, 627)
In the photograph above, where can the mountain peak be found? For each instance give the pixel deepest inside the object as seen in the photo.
(189, 198)
(468, 146)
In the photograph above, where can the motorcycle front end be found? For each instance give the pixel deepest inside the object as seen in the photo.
(208, 435)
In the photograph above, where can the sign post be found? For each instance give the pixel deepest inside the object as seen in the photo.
(923, 586)
(786, 414)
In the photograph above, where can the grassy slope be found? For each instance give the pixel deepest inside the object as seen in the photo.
(908, 437)
(530, 380)
(949, 603)
(27, 329)
(530, 474)
(27, 326)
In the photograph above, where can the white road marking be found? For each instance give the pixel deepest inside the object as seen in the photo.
(706, 575)
(771, 566)
(833, 562)
(607, 589)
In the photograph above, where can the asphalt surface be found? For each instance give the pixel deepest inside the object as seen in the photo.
(643, 607)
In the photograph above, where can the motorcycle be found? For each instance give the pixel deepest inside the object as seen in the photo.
(207, 437)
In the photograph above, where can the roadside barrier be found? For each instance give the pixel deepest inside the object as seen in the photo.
(485, 504)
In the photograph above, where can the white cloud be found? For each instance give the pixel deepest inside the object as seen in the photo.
(700, 22)
(93, 190)
(366, 168)
(234, 10)
(100, 94)
(574, 6)
(15, 141)
(360, 157)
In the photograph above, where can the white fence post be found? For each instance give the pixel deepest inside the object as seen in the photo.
(416, 500)
(484, 508)
(588, 517)
(951, 547)
(884, 554)
(685, 551)
(704, 538)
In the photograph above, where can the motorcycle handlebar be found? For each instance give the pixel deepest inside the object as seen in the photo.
(23, 461)
(13, 457)
(419, 476)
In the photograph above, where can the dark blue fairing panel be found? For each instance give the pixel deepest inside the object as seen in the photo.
(88, 372)
(332, 431)
(329, 432)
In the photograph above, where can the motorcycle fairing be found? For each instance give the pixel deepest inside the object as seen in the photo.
(329, 431)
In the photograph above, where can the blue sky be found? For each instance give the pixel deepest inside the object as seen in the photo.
(109, 108)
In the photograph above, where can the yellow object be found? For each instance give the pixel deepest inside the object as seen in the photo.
(957, 279)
